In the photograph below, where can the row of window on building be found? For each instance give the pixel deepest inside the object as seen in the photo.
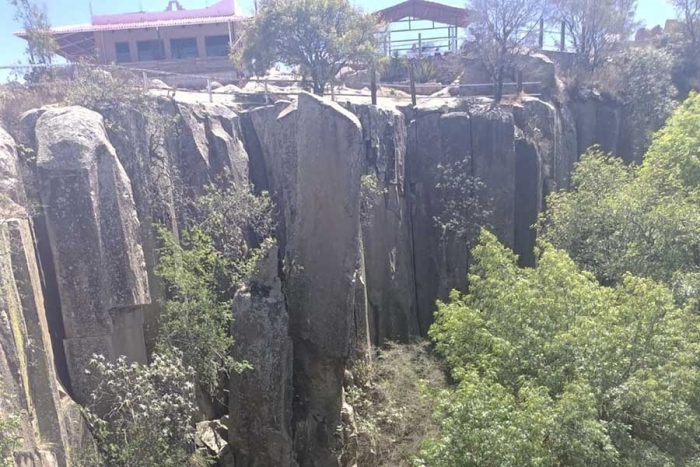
(214, 46)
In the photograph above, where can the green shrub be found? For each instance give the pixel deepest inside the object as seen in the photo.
(203, 271)
(141, 415)
(392, 412)
(9, 430)
(644, 219)
(393, 69)
(553, 369)
(424, 70)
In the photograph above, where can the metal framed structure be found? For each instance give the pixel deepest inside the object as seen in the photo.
(422, 27)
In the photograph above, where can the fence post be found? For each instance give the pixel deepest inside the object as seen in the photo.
(332, 91)
(520, 82)
(412, 77)
(145, 81)
(373, 83)
(541, 33)
(420, 45)
(267, 98)
(211, 97)
(562, 44)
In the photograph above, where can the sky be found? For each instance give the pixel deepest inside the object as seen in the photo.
(65, 12)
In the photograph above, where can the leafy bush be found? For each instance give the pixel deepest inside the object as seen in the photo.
(203, 271)
(424, 70)
(642, 220)
(141, 415)
(392, 413)
(553, 369)
(462, 212)
(393, 69)
(9, 430)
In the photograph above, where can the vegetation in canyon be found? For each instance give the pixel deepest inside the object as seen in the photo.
(9, 429)
(591, 358)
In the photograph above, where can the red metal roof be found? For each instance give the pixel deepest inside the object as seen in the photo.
(139, 25)
(225, 8)
(426, 10)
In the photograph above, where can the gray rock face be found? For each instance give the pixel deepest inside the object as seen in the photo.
(261, 398)
(323, 251)
(479, 143)
(386, 231)
(94, 234)
(28, 379)
(597, 122)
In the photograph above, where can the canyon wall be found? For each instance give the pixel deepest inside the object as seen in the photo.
(78, 249)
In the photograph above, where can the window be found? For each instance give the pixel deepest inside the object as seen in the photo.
(123, 52)
(184, 48)
(217, 46)
(149, 50)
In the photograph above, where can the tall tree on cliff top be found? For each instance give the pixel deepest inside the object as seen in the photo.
(318, 36)
(503, 29)
(594, 28)
(41, 46)
(689, 12)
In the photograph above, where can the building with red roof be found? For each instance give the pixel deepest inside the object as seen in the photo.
(174, 40)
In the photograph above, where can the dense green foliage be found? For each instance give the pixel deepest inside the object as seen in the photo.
(145, 413)
(317, 36)
(553, 369)
(202, 272)
(9, 429)
(642, 220)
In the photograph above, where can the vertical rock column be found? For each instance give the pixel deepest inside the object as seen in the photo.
(323, 252)
(386, 230)
(94, 235)
(47, 416)
(261, 398)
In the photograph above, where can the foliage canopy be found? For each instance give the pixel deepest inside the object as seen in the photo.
(553, 369)
(640, 219)
(317, 36)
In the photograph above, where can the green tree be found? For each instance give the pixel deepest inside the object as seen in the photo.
(41, 45)
(553, 369)
(640, 219)
(318, 36)
(202, 272)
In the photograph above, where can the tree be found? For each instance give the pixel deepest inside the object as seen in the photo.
(502, 30)
(41, 46)
(318, 36)
(594, 28)
(203, 271)
(689, 13)
(642, 220)
(553, 369)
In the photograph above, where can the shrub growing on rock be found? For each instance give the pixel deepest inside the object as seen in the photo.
(141, 415)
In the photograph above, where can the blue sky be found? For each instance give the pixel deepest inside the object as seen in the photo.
(64, 12)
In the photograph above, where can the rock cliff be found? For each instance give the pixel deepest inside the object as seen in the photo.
(78, 273)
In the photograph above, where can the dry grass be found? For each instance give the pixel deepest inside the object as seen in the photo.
(392, 414)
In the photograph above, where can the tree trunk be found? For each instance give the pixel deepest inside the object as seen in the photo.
(319, 88)
(499, 86)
